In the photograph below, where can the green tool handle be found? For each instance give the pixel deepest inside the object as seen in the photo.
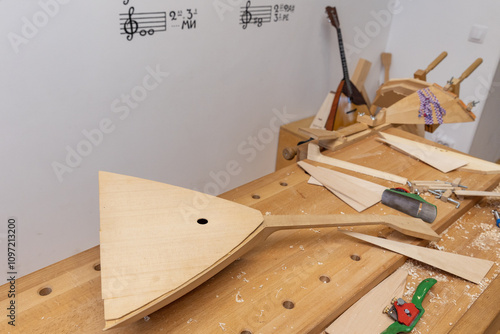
(421, 292)
(417, 299)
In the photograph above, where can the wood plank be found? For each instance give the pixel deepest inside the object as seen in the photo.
(314, 154)
(468, 268)
(320, 134)
(476, 193)
(473, 164)
(354, 190)
(365, 316)
(431, 157)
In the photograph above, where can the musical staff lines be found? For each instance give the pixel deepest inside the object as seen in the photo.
(255, 14)
(142, 23)
(258, 15)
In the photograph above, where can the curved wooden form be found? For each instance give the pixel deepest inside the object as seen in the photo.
(159, 241)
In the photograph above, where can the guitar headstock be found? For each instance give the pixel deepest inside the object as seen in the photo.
(332, 16)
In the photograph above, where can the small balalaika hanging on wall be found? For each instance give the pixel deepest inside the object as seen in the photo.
(348, 101)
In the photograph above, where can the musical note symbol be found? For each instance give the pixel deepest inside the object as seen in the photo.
(130, 26)
(246, 17)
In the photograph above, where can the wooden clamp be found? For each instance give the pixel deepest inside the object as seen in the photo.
(422, 74)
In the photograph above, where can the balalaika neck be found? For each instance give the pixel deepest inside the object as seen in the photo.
(344, 63)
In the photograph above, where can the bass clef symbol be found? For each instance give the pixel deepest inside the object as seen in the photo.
(130, 26)
(246, 17)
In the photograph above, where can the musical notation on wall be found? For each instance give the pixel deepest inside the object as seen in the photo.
(148, 23)
(144, 24)
(258, 15)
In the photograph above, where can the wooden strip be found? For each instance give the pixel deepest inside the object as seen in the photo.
(320, 134)
(365, 316)
(346, 199)
(314, 154)
(466, 267)
(476, 193)
(407, 225)
(334, 145)
(432, 158)
(473, 164)
(350, 186)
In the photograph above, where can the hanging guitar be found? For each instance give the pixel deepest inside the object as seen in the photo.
(348, 101)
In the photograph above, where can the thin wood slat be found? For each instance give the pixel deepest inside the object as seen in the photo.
(469, 268)
(473, 164)
(314, 154)
(358, 193)
(431, 157)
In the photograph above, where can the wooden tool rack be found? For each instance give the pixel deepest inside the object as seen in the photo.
(297, 281)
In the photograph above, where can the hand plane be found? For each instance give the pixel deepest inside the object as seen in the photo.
(406, 315)
(411, 204)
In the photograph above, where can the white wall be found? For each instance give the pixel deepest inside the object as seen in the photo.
(425, 28)
(67, 72)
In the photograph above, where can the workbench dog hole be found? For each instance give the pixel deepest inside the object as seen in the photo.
(97, 267)
(283, 184)
(325, 279)
(288, 304)
(202, 221)
(355, 257)
(255, 196)
(45, 291)
(246, 332)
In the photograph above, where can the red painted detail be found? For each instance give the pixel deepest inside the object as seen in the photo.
(403, 317)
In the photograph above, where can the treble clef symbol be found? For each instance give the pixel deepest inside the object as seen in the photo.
(130, 26)
(246, 17)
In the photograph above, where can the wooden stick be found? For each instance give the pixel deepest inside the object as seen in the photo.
(314, 154)
(407, 225)
(386, 62)
(322, 134)
(422, 74)
(466, 267)
(476, 193)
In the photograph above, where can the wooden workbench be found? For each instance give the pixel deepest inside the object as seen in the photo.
(297, 281)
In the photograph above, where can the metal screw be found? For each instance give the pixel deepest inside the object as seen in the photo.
(458, 185)
(434, 192)
(453, 201)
